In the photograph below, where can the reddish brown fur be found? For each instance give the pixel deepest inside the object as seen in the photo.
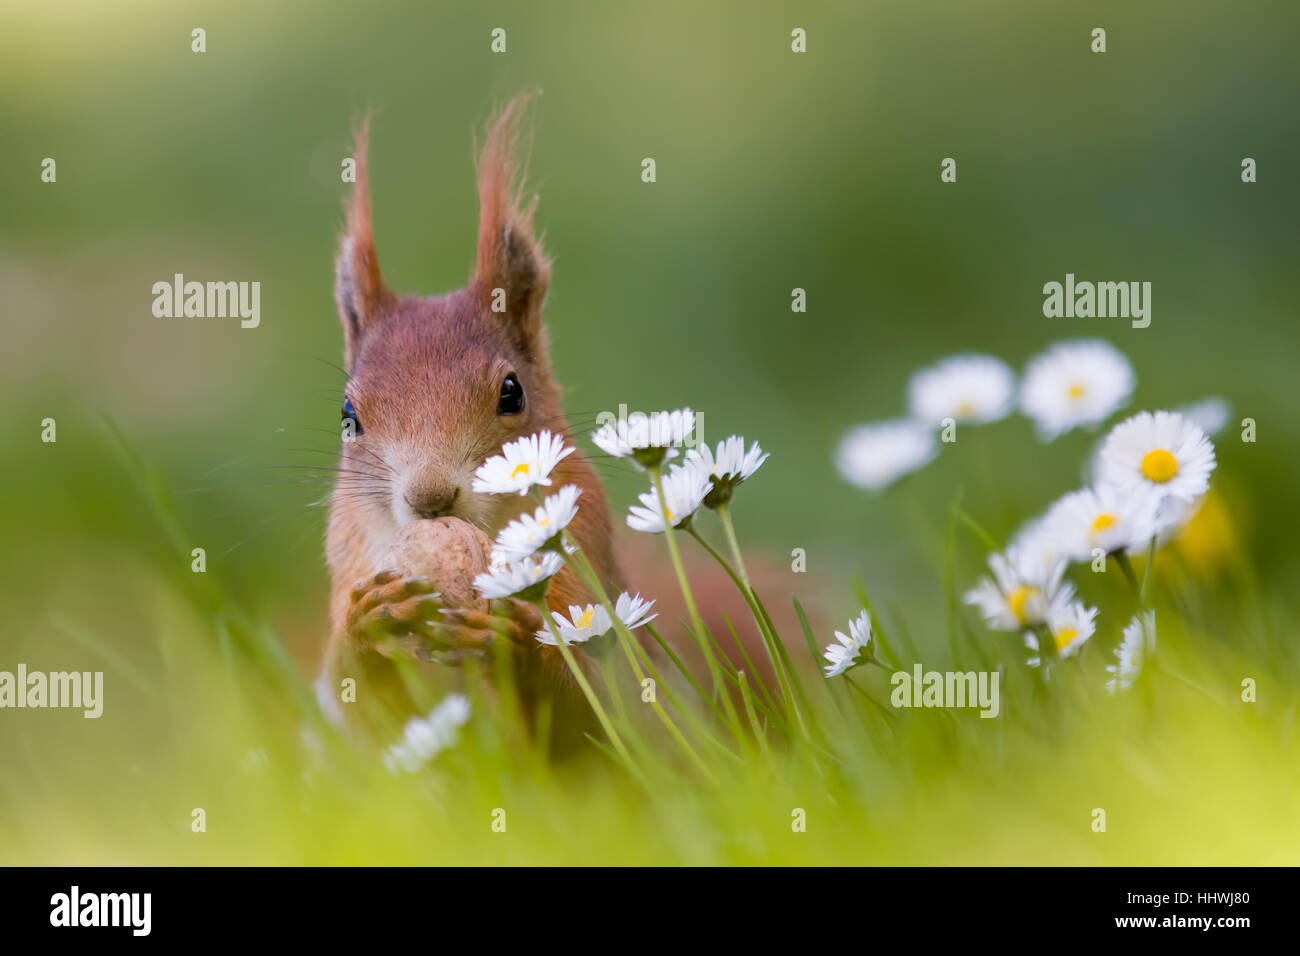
(425, 376)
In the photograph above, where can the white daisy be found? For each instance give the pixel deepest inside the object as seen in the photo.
(1070, 627)
(1173, 516)
(1021, 593)
(584, 623)
(1165, 452)
(965, 388)
(684, 492)
(424, 738)
(529, 532)
(1102, 517)
(1074, 384)
(1138, 644)
(522, 464)
(649, 440)
(877, 455)
(1038, 549)
(727, 468)
(519, 577)
(1211, 414)
(853, 648)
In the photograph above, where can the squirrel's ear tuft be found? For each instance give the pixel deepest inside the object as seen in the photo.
(510, 257)
(358, 288)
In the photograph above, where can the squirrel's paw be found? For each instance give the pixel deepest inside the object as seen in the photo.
(405, 616)
(460, 633)
(506, 619)
(394, 613)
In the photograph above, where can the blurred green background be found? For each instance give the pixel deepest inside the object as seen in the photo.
(775, 171)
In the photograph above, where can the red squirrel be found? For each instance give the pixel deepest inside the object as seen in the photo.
(435, 386)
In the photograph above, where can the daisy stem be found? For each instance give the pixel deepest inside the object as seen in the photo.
(611, 683)
(977, 529)
(1145, 589)
(587, 690)
(867, 697)
(747, 592)
(580, 564)
(688, 713)
(696, 623)
(1126, 566)
(724, 513)
(1164, 669)
(673, 553)
(769, 639)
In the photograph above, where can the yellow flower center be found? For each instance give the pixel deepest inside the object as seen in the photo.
(965, 410)
(585, 619)
(671, 517)
(520, 469)
(1065, 638)
(1076, 391)
(1019, 599)
(1103, 521)
(1159, 465)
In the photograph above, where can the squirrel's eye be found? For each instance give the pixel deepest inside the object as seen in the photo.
(350, 412)
(512, 396)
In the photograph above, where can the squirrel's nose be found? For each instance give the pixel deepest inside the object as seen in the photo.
(431, 502)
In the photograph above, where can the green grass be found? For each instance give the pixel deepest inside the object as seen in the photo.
(776, 171)
(219, 717)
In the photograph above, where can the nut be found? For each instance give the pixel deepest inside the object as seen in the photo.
(447, 550)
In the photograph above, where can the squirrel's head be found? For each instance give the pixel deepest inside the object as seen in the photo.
(436, 385)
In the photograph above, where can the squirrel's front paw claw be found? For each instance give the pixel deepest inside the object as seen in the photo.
(389, 607)
(463, 633)
(458, 635)
(515, 621)
(405, 616)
